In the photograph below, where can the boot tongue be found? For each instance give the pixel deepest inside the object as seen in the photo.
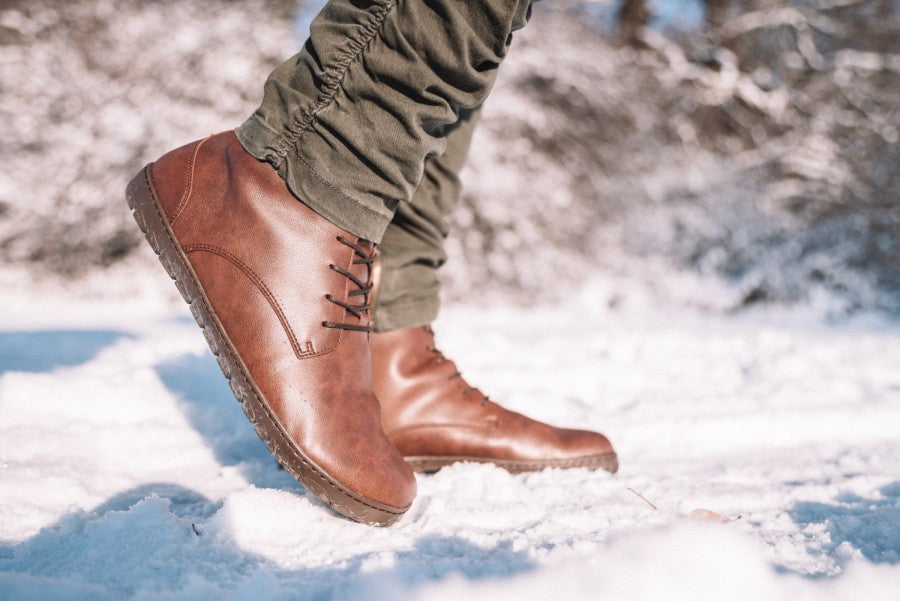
(375, 283)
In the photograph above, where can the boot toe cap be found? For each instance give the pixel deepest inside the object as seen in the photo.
(597, 451)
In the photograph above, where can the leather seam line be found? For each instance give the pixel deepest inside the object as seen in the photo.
(188, 184)
(289, 443)
(267, 293)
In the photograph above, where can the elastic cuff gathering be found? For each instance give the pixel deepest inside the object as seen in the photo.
(310, 188)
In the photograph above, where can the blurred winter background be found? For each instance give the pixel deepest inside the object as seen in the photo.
(715, 153)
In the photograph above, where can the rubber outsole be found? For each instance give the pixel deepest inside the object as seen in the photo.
(428, 464)
(149, 215)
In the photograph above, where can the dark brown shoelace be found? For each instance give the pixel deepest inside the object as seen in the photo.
(363, 288)
(469, 388)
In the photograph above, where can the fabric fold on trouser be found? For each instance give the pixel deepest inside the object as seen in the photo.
(412, 248)
(349, 121)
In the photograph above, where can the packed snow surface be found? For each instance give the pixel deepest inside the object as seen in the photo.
(129, 471)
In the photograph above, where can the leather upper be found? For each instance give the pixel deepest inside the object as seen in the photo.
(266, 263)
(428, 409)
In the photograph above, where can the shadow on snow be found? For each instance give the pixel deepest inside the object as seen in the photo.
(45, 350)
(870, 525)
(208, 403)
(152, 539)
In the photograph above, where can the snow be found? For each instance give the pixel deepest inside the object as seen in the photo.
(129, 472)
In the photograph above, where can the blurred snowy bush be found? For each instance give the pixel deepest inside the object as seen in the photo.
(90, 91)
(760, 150)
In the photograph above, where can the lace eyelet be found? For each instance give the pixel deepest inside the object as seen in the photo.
(351, 309)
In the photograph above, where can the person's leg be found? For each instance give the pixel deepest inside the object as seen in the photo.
(282, 288)
(349, 121)
(412, 248)
(430, 413)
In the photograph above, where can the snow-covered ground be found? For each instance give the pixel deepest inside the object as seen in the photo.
(127, 470)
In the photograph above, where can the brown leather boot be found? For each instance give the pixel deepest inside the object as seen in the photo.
(282, 297)
(435, 418)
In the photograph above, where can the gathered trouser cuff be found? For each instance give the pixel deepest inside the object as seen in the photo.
(413, 311)
(361, 217)
(349, 121)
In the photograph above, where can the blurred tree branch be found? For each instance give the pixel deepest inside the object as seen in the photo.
(633, 16)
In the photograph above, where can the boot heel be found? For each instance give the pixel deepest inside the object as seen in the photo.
(150, 219)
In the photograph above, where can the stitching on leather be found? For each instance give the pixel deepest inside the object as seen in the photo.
(189, 183)
(273, 302)
(290, 444)
(335, 76)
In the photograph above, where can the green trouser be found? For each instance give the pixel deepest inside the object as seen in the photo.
(370, 123)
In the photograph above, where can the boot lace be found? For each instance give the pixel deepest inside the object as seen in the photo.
(363, 288)
(440, 358)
